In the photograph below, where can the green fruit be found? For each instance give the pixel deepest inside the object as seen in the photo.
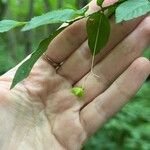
(78, 91)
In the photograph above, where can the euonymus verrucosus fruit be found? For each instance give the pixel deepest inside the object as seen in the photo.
(98, 30)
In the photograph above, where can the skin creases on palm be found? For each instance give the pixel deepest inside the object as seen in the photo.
(40, 113)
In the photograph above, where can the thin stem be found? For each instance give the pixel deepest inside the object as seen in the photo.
(93, 57)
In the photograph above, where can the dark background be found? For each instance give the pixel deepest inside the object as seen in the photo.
(129, 129)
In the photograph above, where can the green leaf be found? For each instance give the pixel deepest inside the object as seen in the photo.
(26, 67)
(78, 91)
(98, 30)
(131, 9)
(6, 25)
(58, 16)
(100, 2)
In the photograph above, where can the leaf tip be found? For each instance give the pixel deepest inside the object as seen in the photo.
(12, 86)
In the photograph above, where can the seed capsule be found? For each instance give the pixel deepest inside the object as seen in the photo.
(78, 91)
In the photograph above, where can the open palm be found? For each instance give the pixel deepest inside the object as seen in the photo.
(41, 113)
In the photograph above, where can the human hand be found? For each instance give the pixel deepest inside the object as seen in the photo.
(42, 113)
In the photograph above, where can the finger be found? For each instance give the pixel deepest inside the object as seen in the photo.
(107, 104)
(74, 70)
(116, 62)
(70, 39)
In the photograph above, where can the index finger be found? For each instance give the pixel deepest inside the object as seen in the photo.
(70, 39)
(73, 37)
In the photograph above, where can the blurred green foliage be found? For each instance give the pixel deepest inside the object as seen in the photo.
(129, 129)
